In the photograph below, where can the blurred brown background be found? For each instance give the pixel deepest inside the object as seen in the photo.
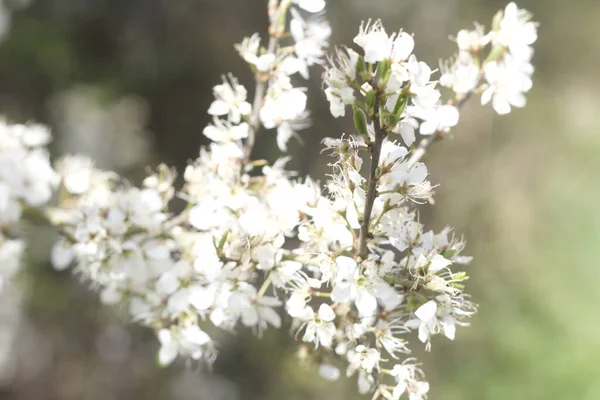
(128, 82)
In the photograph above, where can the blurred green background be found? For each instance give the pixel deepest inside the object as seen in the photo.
(128, 82)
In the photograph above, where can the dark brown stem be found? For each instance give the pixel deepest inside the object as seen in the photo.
(380, 135)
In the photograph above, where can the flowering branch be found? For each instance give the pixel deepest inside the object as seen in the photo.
(244, 235)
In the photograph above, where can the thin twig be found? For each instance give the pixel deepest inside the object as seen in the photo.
(262, 79)
(380, 135)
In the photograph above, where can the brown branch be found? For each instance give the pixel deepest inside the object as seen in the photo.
(375, 147)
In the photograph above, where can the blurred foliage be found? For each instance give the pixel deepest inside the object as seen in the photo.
(522, 188)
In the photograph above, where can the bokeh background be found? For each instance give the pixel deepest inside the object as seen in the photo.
(128, 82)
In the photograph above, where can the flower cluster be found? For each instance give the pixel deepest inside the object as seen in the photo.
(411, 98)
(121, 240)
(370, 303)
(172, 273)
(382, 274)
(205, 264)
(26, 182)
(506, 69)
(284, 106)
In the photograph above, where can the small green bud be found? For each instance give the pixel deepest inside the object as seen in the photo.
(382, 117)
(392, 119)
(223, 240)
(360, 120)
(448, 253)
(387, 76)
(361, 68)
(495, 54)
(370, 99)
(460, 276)
(400, 105)
(384, 71)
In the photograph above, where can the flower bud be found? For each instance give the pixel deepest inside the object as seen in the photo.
(360, 120)
(370, 99)
(391, 120)
(400, 105)
(361, 69)
(384, 71)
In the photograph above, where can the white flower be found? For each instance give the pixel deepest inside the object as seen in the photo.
(202, 298)
(439, 118)
(189, 340)
(438, 262)
(222, 131)
(311, 38)
(320, 329)
(25, 171)
(268, 255)
(338, 99)
(352, 287)
(517, 32)
(313, 6)
(391, 152)
(364, 358)
(376, 43)
(386, 338)
(403, 374)
(230, 100)
(402, 47)
(296, 306)
(38, 178)
(264, 62)
(286, 105)
(425, 94)
(344, 65)
(407, 382)
(253, 311)
(426, 321)
(248, 48)
(287, 129)
(365, 382)
(34, 135)
(472, 40)
(419, 72)
(507, 80)
(337, 78)
(262, 313)
(462, 75)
